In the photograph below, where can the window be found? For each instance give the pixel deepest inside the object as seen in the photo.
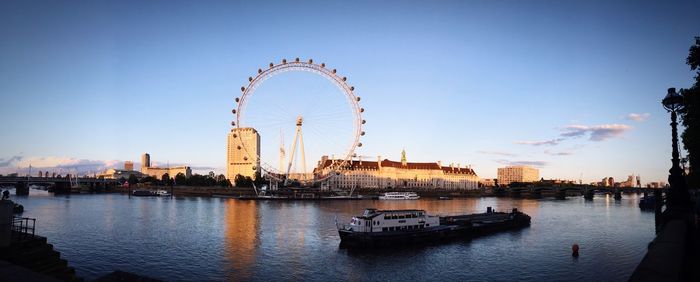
(384, 229)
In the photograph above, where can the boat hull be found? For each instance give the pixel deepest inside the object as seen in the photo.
(454, 228)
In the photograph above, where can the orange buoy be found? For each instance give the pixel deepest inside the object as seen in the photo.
(574, 250)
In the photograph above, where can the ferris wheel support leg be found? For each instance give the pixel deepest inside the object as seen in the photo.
(291, 158)
(303, 155)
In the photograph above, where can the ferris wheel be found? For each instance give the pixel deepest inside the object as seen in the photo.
(326, 118)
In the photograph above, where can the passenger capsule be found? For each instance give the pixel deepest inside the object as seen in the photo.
(352, 88)
(255, 168)
(323, 65)
(250, 78)
(284, 61)
(358, 98)
(233, 123)
(272, 65)
(362, 110)
(345, 78)
(239, 147)
(237, 100)
(297, 60)
(233, 111)
(235, 135)
(242, 89)
(334, 71)
(245, 158)
(259, 70)
(362, 133)
(364, 121)
(311, 61)
(359, 144)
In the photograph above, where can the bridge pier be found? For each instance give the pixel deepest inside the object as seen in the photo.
(618, 195)
(560, 194)
(62, 188)
(535, 193)
(588, 194)
(22, 188)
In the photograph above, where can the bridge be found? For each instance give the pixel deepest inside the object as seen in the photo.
(561, 192)
(59, 185)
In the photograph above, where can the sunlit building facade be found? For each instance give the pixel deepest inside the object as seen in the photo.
(242, 153)
(386, 174)
(523, 174)
(158, 172)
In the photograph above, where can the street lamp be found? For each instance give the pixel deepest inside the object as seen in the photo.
(678, 197)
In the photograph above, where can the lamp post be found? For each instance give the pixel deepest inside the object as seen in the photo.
(678, 196)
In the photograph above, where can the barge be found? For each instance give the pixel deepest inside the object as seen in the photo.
(378, 228)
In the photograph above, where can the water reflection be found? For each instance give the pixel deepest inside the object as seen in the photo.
(241, 237)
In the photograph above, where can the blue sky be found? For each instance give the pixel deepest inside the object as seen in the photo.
(483, 83)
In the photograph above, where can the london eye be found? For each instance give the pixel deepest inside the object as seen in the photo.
(321, 121)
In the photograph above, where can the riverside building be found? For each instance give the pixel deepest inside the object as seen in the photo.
(243, 153)
(386, 174)
(158, 172)
(523, 174)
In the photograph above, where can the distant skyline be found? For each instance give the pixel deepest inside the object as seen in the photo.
(573, 88)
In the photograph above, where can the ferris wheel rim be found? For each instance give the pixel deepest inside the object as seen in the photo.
(319, 69)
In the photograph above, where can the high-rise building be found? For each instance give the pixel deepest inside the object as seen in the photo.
(128, 165)
(524, 174)
(243, 153)
(145, 162)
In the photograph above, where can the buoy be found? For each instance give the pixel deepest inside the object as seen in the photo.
(574, 250)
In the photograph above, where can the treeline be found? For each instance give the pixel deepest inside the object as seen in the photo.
(180, 180)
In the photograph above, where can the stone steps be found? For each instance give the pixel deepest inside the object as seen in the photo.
(34, 253)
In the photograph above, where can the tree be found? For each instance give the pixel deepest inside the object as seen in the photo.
(690, 114)
(180, 179)
(133, 180)
(243, 181)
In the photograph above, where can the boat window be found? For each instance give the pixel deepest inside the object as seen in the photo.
(384, 229)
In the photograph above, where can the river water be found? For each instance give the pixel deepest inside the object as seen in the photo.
(191, 238)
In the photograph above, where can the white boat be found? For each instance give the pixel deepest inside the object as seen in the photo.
(163, 193)
(399, 196)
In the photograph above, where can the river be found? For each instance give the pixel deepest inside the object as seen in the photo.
(191, 238)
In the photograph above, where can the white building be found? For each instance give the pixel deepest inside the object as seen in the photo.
(523, 174)
(243, 153)
(386, 174)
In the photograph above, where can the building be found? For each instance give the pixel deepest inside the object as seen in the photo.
(243, 153)
(129, 165)
(158, 172)
(386, 174)
(119, 174)
(487, 182)
(523, 174)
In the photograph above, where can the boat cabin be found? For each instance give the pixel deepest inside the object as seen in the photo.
(373, 220)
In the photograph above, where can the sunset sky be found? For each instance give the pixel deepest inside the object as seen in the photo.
(572, 87)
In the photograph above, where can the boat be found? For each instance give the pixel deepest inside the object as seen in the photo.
(444, 198)
(399, 196)
(142, 193)
(163, 193)
(379, 228)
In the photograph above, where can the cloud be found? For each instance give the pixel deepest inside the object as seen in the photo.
(57, 164)
(10, 161)
(638, 117)
(563, 153)
(596, 132)
(541, 143)
(497, 153)
(526, 163)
